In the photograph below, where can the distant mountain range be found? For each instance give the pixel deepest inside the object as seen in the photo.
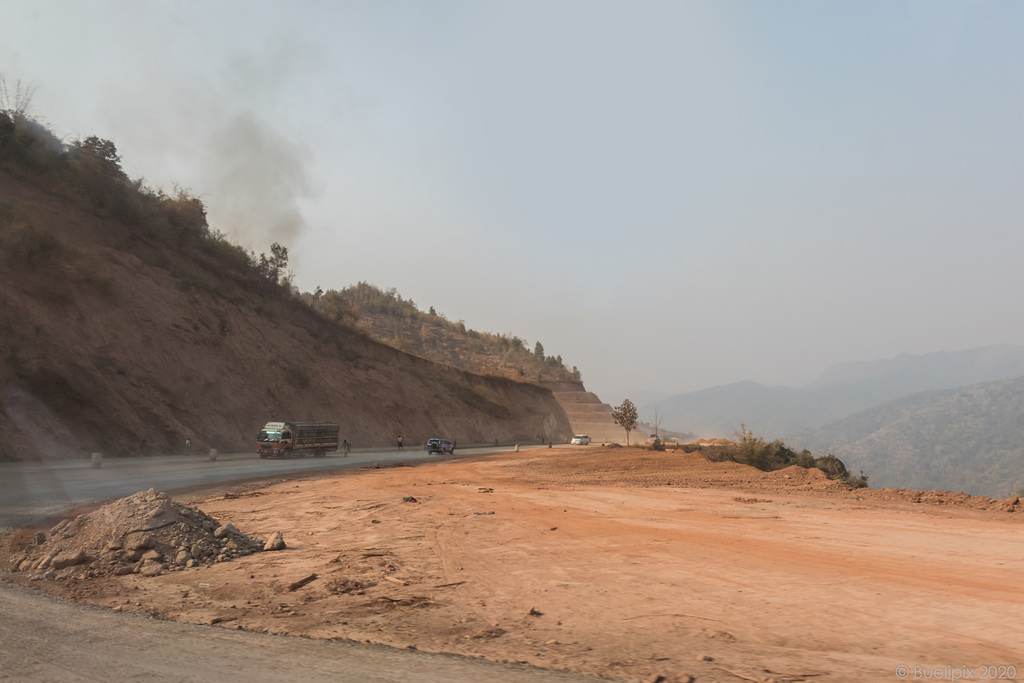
(779, 412)
(969, 439)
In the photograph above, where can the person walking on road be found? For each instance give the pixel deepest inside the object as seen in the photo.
(346, 447)
(399, 442)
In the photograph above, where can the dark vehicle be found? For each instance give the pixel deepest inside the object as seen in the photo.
(440, 446)
(285, 439)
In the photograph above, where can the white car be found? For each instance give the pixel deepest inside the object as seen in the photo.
(580, 440)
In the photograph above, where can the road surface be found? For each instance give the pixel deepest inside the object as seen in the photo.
(32, 491)
(43, 639)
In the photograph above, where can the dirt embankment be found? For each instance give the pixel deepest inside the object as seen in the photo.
(130, 346)
(588, 414)
(630, 563)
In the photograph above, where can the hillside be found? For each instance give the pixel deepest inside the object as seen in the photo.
(839, 391)
(391, 319)
(969, 439)
(128, 325)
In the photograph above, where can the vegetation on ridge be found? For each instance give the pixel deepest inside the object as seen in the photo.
(388, 317)
(753, 450)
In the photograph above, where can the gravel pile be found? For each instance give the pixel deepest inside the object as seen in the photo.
(146, 533)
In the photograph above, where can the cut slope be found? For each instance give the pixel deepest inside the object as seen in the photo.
(125, 341)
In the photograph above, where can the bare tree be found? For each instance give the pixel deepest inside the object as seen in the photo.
(655, 419)
(16, 101)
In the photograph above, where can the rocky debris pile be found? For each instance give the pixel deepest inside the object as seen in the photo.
(146, 533)
(950, 498)
(795, 475)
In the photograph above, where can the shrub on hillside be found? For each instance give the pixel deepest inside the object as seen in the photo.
(752, 450)
(31, 249)
(832, 466)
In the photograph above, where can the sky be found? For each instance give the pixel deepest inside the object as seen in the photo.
(669, 195)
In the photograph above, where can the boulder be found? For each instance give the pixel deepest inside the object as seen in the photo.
(69, 559)
(276, 542)
(222, 531)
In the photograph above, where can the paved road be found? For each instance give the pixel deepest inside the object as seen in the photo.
(33, 491)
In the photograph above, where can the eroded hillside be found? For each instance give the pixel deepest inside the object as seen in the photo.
(128, 334)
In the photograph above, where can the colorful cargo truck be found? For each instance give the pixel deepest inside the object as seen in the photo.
(288, 439)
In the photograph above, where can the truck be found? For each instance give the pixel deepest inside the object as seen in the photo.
(288, 439)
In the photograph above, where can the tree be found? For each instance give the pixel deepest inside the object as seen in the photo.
(626, 416)
(16, 104)
(101, 155)
(538, 350)
(655, 419)
(278, 258)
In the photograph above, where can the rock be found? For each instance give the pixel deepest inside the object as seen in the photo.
(276, 542)
(140, 542)
(183, 557)
(45, 562)
(222, 531)
(705, 658)
(69, 559)
(40, 538)
(155, 555)
(409, 499)
(151, 568)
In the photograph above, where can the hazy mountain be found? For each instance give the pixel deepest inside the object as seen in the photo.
(968, 439)
(839, 391)
(907, 374)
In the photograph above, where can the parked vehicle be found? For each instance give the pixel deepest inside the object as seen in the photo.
(580, 440)
(287, 439)
(440, 446)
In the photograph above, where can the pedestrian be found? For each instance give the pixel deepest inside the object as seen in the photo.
(346, 447)
(399, 442)
(188, 446)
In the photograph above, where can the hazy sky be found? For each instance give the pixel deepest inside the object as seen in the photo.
(670, 195)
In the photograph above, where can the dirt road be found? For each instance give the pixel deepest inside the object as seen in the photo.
(626, 563)
(42, 639)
